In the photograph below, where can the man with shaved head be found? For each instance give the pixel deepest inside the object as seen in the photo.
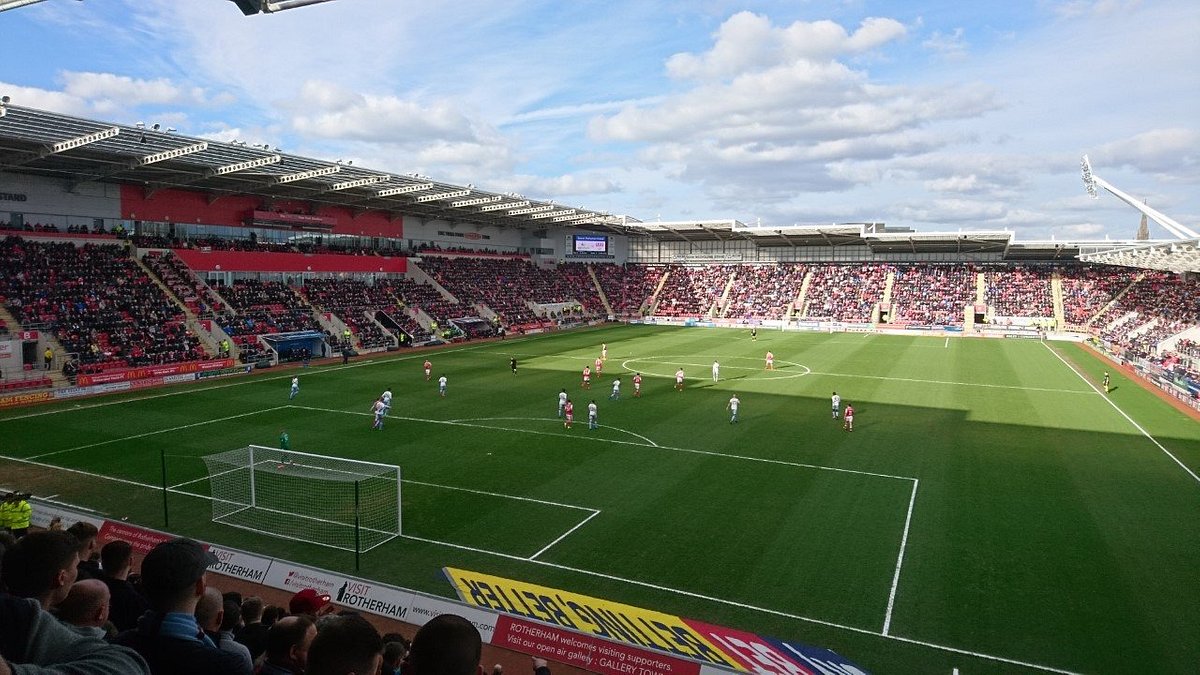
(211, 615)
(288, 642)
(86, 607)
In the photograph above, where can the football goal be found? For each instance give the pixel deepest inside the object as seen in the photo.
(341, 503)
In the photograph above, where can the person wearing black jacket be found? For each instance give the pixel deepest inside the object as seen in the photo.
(126, 603)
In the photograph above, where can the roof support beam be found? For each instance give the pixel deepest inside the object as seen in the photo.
(502, 207)
(305, 175)
(169, 154)
(404, 189)
(531, 209)
(442, 195)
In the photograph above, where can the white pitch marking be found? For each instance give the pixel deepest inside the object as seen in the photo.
(254, 380)
(887, 619)
(708, 453)
(564, 534)
(153, 433)
(553, 419)
(947, 345)
(497, 494)
(1127, 417)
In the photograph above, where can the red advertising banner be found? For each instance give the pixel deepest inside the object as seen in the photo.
(759, 654)
(145, 372)
(585, 651)
(142, 539)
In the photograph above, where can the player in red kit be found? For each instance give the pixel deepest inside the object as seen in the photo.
(569, 411)
(848, 416)
(637, 385)
(770, 361)
(428, 369)
(599, 367)
(587, 377)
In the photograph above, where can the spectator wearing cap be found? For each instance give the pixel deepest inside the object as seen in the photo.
(126, 603)
(349, 645)
(42, 566)
(288, 643)
(174, 576)
(310, 602)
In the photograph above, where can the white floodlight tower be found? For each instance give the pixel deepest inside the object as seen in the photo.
(1091, 180)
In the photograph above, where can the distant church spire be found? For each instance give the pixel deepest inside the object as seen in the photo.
(1143, 232)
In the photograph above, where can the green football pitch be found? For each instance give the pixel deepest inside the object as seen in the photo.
(992, 511)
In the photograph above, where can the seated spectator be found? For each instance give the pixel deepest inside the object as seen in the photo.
(210, 614)
(86, 608)
(349, 645)
(288, 642)
(447, 645)
(126, 603)
(175, 576)
(42, 566)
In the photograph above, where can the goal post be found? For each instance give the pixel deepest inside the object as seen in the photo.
(341, 503)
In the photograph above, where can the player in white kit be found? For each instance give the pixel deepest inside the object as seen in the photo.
(562, 402)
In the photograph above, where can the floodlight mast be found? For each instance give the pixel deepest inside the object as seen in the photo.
(1091, 181)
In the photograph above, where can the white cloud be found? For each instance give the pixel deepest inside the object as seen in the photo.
(1170, 154)
(1101, 8)
(952, 46)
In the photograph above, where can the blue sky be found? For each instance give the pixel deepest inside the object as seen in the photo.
(935, 115)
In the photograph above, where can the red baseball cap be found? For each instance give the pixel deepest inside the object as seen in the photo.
(307, 601)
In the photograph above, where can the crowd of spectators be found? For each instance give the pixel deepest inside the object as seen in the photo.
(426, 298)
(355, 303)
(503, 285)
(628, 286)
(117, 230)
(1019, 290)
(69, 605)
(691, 290)
(764, 291)
(1155, 307)
(99, 303)
(178, 277)
(1086, 289)
(931, 294)
(845, 292)
(262, 308)
(581, 286)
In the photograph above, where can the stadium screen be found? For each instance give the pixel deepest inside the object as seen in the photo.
(589, 244)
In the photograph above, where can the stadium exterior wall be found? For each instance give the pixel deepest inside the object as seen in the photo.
(48, 202)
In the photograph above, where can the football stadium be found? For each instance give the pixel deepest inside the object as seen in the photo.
(621, 444)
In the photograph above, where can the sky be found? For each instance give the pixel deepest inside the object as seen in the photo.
(931, 114)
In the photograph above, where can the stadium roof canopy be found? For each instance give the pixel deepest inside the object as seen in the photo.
(1173, 256)
(79, 150)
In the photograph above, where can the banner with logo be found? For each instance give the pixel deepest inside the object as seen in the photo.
(585, 651)
(677, 637)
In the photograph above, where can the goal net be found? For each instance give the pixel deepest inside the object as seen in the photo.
(342, 503)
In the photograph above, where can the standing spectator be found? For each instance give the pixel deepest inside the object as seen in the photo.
(42, 566)
(253, 633)
(21, 515)
(288, 643)
(7, 512)
(89, 551)
(126, 603)
(348, 645)
(174, 575)
(49, 357)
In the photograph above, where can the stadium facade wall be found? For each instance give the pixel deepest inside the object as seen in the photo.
(246, 261)
(47, 201)
(187, 206)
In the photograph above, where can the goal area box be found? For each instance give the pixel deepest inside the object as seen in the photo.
(341, 503)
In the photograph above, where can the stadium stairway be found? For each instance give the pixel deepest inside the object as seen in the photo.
(600, 290)
(980, 289)
(210, 346)
(887, 287)
(1116, 298)
(652, 301)
(800, 297)
(722, 305)
(1056, 292)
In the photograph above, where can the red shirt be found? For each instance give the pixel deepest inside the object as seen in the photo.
(849, 411)
(428, 365)
(637, 379)
(570, 409)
